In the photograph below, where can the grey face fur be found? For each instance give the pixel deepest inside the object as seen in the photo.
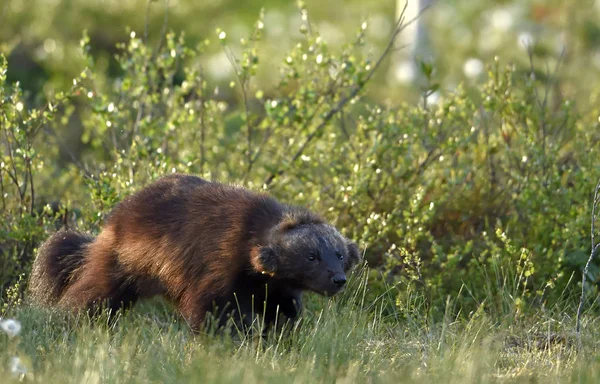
(314, 256)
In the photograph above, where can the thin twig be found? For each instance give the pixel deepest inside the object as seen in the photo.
(14, 175)
(542, 104)
(31, 188)
(347, 134)
(163, 29)
(266, 138)
(594, 252)
(202, 123)
(244, 82)
(147, 21)
(140, 111)
(2, 190)
(248, 128)
(65, 148)
(399, 27)
(308, 23)
(490, 157)
(138, 118)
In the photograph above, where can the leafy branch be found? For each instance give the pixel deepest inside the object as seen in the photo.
(354, 91)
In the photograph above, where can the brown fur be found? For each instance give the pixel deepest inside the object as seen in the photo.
(199, 244)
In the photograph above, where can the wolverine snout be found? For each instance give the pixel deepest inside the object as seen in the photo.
(339, 280)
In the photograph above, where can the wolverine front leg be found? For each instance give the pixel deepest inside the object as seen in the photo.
(282, 308)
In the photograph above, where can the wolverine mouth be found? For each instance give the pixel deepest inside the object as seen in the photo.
(330, 291)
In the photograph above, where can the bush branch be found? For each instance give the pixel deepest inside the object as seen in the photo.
(399, 27)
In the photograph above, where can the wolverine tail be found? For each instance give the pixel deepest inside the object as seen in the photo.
(54, 265)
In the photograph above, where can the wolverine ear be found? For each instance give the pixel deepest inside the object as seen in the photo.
(264, 260)
(354, 256)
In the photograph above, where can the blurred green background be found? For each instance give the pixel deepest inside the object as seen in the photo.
(41, 37)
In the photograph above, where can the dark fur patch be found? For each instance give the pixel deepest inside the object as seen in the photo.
(54, 265)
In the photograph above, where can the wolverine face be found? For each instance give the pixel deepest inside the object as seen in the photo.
(316, 257)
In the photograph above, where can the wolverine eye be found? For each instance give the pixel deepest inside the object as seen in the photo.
(312, 256)
(339, 255)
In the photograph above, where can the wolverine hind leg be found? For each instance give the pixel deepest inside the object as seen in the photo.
(100, 284)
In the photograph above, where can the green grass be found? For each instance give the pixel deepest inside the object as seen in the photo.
(341, 340)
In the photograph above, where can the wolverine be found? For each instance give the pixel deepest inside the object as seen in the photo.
(202, 245)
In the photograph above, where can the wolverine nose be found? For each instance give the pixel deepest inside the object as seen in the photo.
(339, 280)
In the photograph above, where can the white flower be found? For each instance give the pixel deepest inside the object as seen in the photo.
(502, 19)
(49, 45)
(11, 327)
(405, 72)
(17, 367)
(433, 98)
(525, 40)
(473, 67)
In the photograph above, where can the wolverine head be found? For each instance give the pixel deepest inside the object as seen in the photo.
(311, 254)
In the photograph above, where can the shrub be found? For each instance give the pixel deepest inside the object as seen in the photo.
(484, 192)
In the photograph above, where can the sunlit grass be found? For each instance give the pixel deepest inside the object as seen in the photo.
(341, 340)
